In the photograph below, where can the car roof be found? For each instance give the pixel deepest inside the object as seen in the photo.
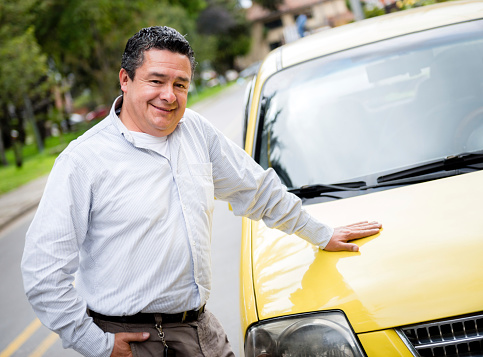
(372, 30)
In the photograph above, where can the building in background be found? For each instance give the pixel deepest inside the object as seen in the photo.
(271, 29)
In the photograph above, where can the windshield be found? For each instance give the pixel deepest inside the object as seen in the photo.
(376, 108)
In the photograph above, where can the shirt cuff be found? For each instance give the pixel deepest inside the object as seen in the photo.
(316, 233)
(95, 343)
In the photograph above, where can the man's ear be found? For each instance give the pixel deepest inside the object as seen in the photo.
(123, 79)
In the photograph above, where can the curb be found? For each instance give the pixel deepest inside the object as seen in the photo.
(15, 203)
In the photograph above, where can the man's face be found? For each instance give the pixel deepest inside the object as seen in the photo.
(155, 100)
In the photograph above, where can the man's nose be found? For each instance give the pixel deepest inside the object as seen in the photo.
(167, 94)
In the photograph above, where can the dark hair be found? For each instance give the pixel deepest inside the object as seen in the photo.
(157, 37)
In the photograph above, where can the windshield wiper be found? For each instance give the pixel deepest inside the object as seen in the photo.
(449, 163)
(429, 170)
(311, 191)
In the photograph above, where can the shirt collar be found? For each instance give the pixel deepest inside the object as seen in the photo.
(114, 116)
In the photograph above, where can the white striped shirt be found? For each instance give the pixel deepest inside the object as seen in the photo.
(135, 226)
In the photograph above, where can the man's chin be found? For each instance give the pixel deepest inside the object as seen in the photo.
(163, 130)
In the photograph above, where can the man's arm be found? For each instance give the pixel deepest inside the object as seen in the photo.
(51, 257)
(259, 194)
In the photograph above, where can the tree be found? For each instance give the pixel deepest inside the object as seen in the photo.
(225, 20)
(192, 7)
(87, 38)
(24, 75)
(84, 38)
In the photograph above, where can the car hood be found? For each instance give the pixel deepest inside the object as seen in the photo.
(425, 264)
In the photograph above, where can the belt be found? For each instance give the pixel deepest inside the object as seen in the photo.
(148, 318)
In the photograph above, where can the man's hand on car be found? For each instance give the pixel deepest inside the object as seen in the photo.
(352, 231)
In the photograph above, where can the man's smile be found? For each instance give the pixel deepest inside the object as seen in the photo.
(163, 109)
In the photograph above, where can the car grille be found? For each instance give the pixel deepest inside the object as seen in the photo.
(461, 336)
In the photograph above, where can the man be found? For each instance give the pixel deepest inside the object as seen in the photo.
(128, 208)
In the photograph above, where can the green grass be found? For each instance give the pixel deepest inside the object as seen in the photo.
(37, 164)
(12, 177)
(194, 98)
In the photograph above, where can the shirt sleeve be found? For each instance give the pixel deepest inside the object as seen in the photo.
(259, 194)
(51, 257)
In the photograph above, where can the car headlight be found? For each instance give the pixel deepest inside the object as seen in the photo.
(322, 334)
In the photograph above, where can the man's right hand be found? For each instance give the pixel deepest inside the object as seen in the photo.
(121, 342)
(352, 231)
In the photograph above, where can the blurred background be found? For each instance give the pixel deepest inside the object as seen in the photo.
(60, 59)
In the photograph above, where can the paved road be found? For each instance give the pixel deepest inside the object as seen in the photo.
(226, 114)
(22, 335)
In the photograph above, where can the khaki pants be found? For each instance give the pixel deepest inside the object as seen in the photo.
(202, 338)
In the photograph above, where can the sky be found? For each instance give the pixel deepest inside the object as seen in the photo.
(245, 3)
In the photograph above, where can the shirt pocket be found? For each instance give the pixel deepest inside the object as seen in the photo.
(202, 178)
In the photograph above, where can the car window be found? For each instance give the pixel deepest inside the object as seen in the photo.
(376, 108)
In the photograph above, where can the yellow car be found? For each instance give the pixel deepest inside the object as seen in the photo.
(376, 120)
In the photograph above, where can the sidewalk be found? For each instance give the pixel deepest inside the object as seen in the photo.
(15, 203)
